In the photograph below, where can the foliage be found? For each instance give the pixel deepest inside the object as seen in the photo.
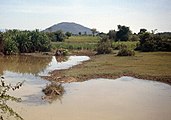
(134, 37)
(104, 46)
(68, 34)
(4, 98)
(78, 43)
(101, 34)
(53, 91)
(1, 43)
(59, 36)
(128, 44)
(153, 42)
(79, 33)
(112, 35)
(143, 30)
(61, 52)
(94, 31)
(16, 41)
(123, 33)
(125, 52)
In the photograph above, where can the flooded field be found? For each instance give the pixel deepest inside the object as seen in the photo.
(29, 69)
(125, 98)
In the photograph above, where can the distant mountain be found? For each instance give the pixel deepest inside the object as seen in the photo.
(74, 28)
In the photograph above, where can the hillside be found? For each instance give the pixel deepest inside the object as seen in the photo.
(74, 28)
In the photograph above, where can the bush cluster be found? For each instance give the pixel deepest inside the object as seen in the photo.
(16, 41)
(126, 52)
(153, 42)
(104, 46)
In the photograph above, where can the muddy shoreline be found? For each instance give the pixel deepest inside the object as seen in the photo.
(59, 76)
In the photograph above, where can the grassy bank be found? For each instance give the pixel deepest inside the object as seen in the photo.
(151, 65)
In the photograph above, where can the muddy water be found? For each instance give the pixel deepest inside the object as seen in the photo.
(29, 69)
(125, 98)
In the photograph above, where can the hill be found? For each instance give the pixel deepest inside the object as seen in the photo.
(74, 28)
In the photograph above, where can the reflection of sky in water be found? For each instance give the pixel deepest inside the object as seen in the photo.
(33, 84)
(55, 65)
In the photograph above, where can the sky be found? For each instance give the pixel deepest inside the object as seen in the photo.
(104, 15)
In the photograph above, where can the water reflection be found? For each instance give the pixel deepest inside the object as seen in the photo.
(23, 64)
(29, 68)
(125, 98)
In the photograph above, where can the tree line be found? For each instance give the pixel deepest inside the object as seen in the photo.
(148, 41)
(16, 41)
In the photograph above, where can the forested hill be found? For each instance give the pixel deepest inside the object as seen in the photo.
(74, 28)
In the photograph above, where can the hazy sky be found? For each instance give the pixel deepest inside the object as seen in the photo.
(100, 14)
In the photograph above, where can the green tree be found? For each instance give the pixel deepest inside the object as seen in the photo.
(112, 34)
(1, 43)
(68, 34)
(94, 31)
(79, 33)
(143, 30)
(123, 33)
(59, 36)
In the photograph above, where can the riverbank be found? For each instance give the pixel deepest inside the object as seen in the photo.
(150, 66)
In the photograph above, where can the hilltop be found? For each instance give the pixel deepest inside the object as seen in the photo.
(74, 28)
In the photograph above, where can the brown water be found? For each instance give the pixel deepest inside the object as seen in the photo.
(29, 69)
(125, 98)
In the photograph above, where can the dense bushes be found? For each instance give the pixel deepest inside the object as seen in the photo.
(16, 41)
(104, 46)
(153, 42)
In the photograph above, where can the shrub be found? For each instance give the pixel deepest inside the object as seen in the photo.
(104, 46)
(53, 91)
(126, 52)
(61, 52)
(153, 42)
(119, 46)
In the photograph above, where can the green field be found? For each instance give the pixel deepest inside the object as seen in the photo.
(78, 43)
(145, 65)
(151, 65)
(87, 43)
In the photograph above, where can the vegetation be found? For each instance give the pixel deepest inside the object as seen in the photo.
(78, 43)
(104, 46)
(53, 91)
(4, 98)
(94, 31)
(68, 34)
(123, 33)
(154, 42)
(61, 52)
(126, 52)
(59, 36)
(150, 66)
(129, 44)
(16, 41)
